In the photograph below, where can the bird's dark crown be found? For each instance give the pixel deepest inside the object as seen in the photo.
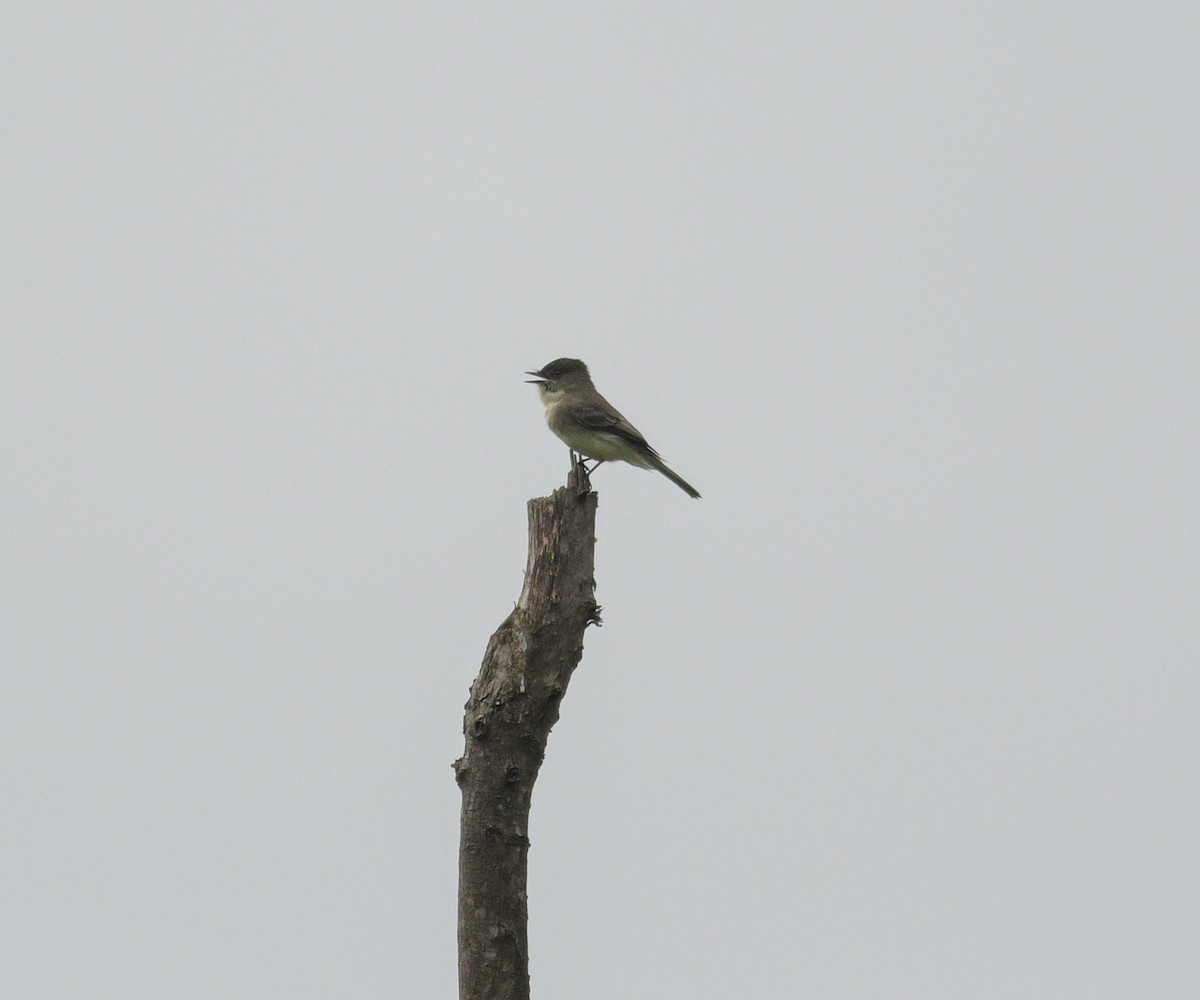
(560, 367)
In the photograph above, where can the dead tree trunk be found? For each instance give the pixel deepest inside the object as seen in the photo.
(512, 707)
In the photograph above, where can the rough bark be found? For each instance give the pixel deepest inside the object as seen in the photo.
(512, 707)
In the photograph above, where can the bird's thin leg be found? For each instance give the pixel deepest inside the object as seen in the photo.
(578, 458)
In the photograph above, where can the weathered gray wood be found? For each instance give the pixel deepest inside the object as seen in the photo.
(512, 707)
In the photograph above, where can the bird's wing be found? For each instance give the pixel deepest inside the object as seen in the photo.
(608, 420)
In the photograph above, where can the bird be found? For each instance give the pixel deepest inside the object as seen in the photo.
(590, 425)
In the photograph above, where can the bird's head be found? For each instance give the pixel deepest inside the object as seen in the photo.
(559, 376)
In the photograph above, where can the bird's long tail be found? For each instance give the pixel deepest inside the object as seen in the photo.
(679, 481)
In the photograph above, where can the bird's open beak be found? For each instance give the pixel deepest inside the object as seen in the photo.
(534, 381)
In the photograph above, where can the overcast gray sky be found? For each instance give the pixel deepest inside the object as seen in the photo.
(904, 707)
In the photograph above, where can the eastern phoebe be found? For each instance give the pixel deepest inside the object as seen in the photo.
(590, 424)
